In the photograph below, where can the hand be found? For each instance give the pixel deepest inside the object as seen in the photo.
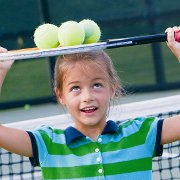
(172, 44)
(4, 65)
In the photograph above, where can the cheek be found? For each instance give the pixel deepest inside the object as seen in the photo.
(104, 98)
(71, 102)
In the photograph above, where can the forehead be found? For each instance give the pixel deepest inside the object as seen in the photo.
(88, 70)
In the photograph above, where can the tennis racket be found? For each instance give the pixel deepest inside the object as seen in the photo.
(31, 53)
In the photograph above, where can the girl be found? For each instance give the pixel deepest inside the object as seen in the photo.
(94, 148)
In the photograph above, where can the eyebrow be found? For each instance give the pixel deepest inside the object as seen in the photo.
(73, 82)
(76, 82)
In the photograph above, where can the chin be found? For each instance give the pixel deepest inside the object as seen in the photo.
(92, 122)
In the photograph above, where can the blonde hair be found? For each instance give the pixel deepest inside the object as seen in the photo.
(99, 58)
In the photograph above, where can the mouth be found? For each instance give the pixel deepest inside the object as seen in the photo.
(89, 109)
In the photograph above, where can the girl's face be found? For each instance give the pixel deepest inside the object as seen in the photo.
(86, 94)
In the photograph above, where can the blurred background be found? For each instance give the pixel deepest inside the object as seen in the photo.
(144, 68)
(148, 71)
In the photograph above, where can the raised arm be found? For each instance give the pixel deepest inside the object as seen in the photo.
(4, 68)
(13, 140)
(171, 126)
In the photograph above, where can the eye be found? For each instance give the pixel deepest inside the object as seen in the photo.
(98, 85)
(75, 89)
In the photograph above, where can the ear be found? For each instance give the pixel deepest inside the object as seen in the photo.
(59, 96)
(113, 92)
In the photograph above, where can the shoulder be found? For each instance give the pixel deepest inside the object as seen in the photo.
(139, 124)
(48, 129)
(47, 132)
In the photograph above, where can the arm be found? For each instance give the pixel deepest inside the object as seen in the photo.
(13, 140)
(4, 68)
(16, 141)
(171, 126)
(171, 130)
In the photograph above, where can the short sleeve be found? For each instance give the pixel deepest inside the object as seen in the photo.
(40, 140)
(35, 159)
(146, 133)
(159, 147)
(153, 138)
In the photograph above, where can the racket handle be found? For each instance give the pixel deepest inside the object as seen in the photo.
(26, 49)
(177, 36)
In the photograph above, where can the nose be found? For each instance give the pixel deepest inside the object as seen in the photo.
(87, 95)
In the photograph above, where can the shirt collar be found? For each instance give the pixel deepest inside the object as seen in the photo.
(72, 133)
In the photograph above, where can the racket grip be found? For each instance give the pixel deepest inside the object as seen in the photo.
(177, 36)
(26, 49)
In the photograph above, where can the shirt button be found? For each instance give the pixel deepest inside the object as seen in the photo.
(98, 159)
(99, 139)
(100, 171)
(97, 150)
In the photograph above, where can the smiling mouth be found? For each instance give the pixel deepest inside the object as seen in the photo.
(89, 109)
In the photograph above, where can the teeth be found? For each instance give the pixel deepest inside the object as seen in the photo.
(89, 108)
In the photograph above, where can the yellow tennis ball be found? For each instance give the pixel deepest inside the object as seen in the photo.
(46, 36)
(27, 106)
(92, 31)
(70, 33)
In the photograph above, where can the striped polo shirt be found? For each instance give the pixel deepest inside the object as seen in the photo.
(121, 151)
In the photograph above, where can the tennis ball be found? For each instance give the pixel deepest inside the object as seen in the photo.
(27, 106)
(92, 31)
(70, 33)
(46, 36)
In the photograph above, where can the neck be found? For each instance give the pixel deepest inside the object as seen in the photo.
(91, 131)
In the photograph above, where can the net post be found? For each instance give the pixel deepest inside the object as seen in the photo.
(156, 47)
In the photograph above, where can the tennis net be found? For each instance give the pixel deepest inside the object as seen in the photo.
(164, 168)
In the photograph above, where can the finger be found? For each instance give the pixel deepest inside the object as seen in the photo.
(175, 28)
(167, 29)
(170, 36)
(2, 50)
